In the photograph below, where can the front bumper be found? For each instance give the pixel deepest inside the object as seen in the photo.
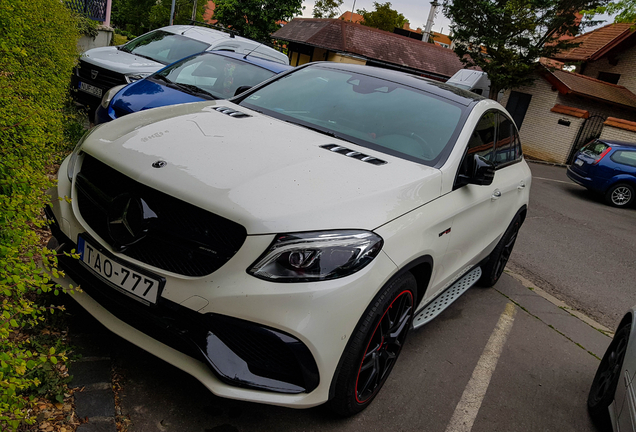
(218, 326)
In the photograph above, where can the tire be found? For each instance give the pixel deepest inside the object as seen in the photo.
(607, 377)
(620, 195)
(494, 267)
(374, 347)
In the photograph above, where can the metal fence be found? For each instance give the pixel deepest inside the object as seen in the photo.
(93, 9)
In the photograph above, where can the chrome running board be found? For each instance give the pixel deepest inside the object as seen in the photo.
(446, 298)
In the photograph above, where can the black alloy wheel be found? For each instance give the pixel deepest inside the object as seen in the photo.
(494, 267)
(607, 376)
(374, 347)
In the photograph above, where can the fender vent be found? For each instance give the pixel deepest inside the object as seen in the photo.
(231, 112)
(353, 154)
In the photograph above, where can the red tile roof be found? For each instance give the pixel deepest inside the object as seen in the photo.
(621, 124)
(597, 43)
(581, 85)
(351, 16)
(373, 44)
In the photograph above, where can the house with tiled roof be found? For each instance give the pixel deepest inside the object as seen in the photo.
(317, 39)
(566, 107)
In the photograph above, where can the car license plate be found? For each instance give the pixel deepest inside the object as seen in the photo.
(140, 285)
(90, 89)
(578, 162)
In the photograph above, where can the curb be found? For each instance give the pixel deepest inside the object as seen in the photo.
(92, 379)
(560, 304)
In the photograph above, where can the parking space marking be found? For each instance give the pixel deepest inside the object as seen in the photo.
(553, 180)
(466, 411)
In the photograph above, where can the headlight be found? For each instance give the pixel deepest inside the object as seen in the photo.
(70, 169)
(110, 93)
(315, 256)
(132, 77)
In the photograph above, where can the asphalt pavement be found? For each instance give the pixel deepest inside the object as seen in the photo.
(576, 247)
(499, 359)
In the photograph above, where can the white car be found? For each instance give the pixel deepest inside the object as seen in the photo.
(279, 245)
(612, 399)
(102, 68)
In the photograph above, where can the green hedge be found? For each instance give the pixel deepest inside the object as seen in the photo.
(38, 49)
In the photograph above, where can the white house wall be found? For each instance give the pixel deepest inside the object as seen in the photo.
(614, 133)
(625, 67)
(541, 136)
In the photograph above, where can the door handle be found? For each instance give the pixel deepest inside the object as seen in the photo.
(522, 185)
(496, 195)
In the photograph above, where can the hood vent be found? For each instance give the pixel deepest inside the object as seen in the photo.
(231, 112)
(353, 154)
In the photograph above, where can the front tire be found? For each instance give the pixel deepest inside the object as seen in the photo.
(374, 347)
(607, 376)
(494, 267)
(620, 195)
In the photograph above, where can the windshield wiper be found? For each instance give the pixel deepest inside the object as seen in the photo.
(161, 78)
(319, 130)
(192, 89)
(145, 56)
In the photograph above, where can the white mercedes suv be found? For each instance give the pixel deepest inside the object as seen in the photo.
(280, 245)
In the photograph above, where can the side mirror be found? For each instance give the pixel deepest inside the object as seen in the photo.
(241, 89)
(481, 172)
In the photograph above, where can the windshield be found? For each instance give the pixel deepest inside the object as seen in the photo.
(372, 112)
(217, 75)
(164, 47)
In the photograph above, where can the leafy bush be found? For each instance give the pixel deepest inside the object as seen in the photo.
(38, 49)
(87, 26)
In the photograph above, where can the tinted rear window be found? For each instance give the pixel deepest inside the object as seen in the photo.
(594, 149)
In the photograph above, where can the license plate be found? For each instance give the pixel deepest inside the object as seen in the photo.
(578, 162)
(132, 282)
(90, 89)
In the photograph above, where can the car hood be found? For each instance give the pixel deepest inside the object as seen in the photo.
(266, 174)
(145, 94)
(119, 61)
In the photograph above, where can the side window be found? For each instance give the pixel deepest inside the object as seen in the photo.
(481, 142)
(624, 157)
(508, 148)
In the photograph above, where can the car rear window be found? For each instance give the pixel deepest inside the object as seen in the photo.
(164, 47)
(624, 157)
(594, 149)
(369, 111)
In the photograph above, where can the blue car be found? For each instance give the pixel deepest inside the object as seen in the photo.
(609, 168)
(205, 76)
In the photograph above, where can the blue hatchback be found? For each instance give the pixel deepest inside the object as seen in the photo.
(204, 76)
(607, 167)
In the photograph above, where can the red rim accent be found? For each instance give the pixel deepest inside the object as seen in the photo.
(371, 339)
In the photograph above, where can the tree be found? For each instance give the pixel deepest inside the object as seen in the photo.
(327, 8)
(625, 11)
(141, 16)
(506, 38)
(383, 17)
(256, 19)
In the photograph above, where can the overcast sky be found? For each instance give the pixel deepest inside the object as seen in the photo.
(415, 11)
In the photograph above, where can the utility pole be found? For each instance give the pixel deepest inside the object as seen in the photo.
(426, 34)
(194, 11)
(172, 12)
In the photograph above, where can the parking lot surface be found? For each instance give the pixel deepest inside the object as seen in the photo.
(450, 377)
